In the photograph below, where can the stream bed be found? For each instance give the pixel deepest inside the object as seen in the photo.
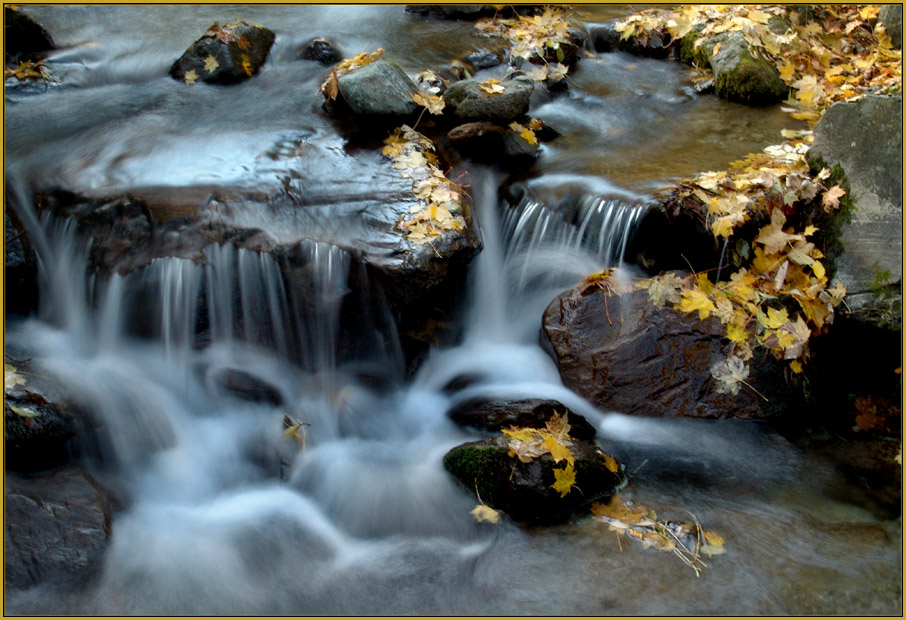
(219, 518)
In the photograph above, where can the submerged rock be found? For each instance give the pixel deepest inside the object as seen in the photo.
(624, 354)
(493, 415)
(225, 54)
(468, 101)
(523, 490)
(379, 88)
(320, 50)
(55, 528)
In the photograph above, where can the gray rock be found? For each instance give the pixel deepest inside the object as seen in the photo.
(238, 50)
(891, 16)
(865, 139)
(469, 102)
(739, 75)
(55, 528)
(320, 50)
(379, 88)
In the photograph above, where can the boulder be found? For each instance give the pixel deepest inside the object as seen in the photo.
(225, 54)
(488, 143)
(467, 101)
(622, 353)
(891, 16)
(22, 35)
(742, 76)
(55, 528)
(523, 490)
(379, 88)
(320, 50)
(605, 38)
(864, 138)
(493, 415)
(483, 59)
(20, 267)
(39, 433)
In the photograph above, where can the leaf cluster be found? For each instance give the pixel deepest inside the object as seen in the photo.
(28, 70)
(439, 208)
(527, 443)
(531, 36)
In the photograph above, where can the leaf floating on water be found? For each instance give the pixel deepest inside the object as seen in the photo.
(483, 513)
(714, 544)
(11, 377)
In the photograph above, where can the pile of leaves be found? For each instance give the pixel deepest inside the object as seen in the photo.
(28, 70)
(527, 443)
(439, 208)
(532, 36)
(330, 88)
(841, 53)
(686, 540)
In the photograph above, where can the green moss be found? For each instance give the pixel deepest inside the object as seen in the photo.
(754, 81)
(829, 238)
(477, 468)
(688, 53)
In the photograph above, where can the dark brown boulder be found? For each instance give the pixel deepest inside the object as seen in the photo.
(55, 528)
(493, 415)
(624, 354)
(523, 490)
(225, 54)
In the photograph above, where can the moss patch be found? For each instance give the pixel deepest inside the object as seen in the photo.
(754, 81)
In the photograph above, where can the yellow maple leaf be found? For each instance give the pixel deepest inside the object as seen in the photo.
(525, 133)
(492, 87)
(210, 64)
(831, 198)
(714, 544)
(190, 77)
(696, 300)
(564, 480)
(776, 318)
(11, 378)
(433, 103)
(611, 464)
(482, 513)
(558, 451)
(796, 366)
(559, 425)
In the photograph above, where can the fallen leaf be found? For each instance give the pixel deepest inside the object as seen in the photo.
(11, 377)
(210, 64)
(831, 198)
(24, 412)
(484, 513)
(564, 480)
(190, 77)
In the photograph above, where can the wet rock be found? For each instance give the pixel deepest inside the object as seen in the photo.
(519, 153)
(891, 16)
(644, 360)
(225, 54)
(493, 415)
(741, 76)
(523, 490)
(23, 37)
(247, 386)
(55, 528)
(488, 143)
(320, 50)
(470, 11)
(20, 267)
(39, 433)
(605, 38)
(468, 101)
(379, 88)
(865, 140)
(483, 59)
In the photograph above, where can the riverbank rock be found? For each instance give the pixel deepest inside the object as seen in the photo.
(379, 88)
(494, 415)
(20, 267)
(468, 101)
(471, 11)
(40, 433)
(891, 16)
(23, 36)
(524, 490)
(604, 38)
(225, 54)
(622, 353)
(864, 138)
(55, 528)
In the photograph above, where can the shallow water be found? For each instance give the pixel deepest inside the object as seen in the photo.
(365, 520)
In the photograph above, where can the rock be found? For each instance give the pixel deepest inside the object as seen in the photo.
(247, 386)
(225, 55)
(865, 139)
(20, 267)
(605, 38)
(55, 528)
(23, 36)
(523, 490)
(320, 50)
(493, 415)
(39, 433)
(379, 88)
(891, 16)
(519, 153)
(470, 11)
(483, 59)
(478, 135)
(741, 76)
(467, 101)
(643, 360)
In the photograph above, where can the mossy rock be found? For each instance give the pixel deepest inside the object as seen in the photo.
(742, 77)
(688, 53)
(523, 490)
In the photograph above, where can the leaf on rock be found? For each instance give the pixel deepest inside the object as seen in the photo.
(11, 377)
(729, 374)
(831, 198)
(210, 64)
(559, 425)
(24, 412)
(190, 77)
(433, 103)
(525, 133)
(564, 480)
(696, 300)
(493, 87)
(483, 513)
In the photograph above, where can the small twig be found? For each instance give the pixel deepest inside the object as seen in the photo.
(619, 542)
(754, 390)
(639, 467)
(25, 361)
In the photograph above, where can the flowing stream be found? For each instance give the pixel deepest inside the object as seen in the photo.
(224, 516)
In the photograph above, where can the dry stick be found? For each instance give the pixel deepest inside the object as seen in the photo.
(619, 543)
